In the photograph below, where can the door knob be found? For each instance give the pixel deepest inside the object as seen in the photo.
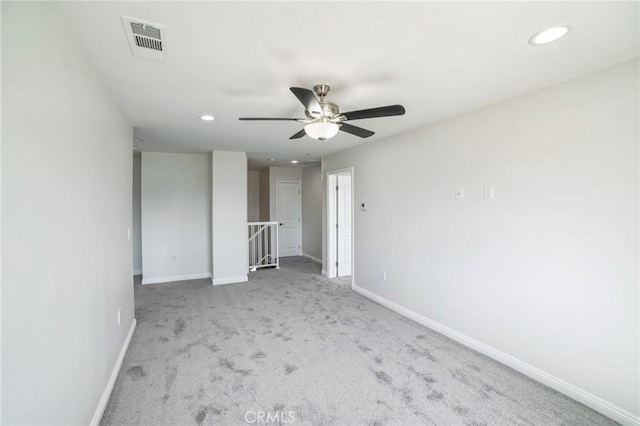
(282, 224)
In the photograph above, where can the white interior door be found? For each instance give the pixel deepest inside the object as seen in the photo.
(289, 212)
(344, 225)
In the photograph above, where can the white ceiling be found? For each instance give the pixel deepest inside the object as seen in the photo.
(437, 59)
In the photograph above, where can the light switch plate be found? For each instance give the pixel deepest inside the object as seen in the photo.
(460, 193)
(488, 192)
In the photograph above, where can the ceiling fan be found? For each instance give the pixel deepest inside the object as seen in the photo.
(324, 119)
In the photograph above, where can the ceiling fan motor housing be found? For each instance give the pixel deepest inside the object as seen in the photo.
(329, 109)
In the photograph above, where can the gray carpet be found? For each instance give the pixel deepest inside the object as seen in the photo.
(296, 346)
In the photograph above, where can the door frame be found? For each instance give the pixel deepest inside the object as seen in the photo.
(299, 183)
(330, 235)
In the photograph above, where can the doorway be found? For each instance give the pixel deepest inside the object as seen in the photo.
(289, 209)
(340, 216)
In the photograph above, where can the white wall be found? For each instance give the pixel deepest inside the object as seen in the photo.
(66, 188)
(312, 211)
(253, 196)
(547, 272)
(176, 220)
(265, 196)
(276, 174)
(229, 213)
(136, 236)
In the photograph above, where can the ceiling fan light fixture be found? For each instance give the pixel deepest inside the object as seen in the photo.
(324, 118)
(321, 130)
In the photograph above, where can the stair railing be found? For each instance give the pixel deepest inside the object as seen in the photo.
(263, 245)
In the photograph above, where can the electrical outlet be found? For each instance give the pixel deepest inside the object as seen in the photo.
(119, 317)
(460, 193)
(383, 275)
(488, 192)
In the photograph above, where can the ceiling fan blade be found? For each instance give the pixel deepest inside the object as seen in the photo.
(308, 99)
(386, 111)
(268, 119)
(355, 130)
(298, 135)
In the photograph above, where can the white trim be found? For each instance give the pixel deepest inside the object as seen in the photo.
(323, 272)
(590, 400)
(137, 272)
(315, 259)
(331, 271)
(102, 404)
(172, 278)
(230, 280)
(332, 182)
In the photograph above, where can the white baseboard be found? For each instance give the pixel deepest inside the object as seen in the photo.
(590, 400)
(102, 404)
(315, 259)
(157, 280)
(231, 280)
(137, 272)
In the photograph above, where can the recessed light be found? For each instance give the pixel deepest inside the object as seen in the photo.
(207, 117)
(272, 159)
(294, 161)
(548, 36)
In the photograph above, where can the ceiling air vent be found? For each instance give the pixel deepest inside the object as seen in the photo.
(145, 38)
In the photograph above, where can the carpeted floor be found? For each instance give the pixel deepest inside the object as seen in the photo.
(291, 346)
